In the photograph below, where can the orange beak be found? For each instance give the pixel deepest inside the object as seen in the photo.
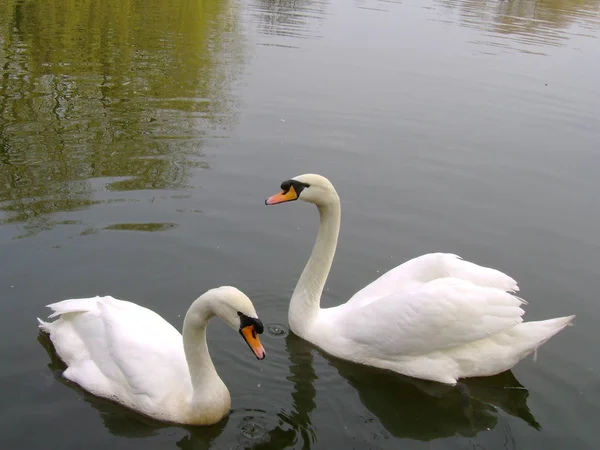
(251, 337)
(282, 197)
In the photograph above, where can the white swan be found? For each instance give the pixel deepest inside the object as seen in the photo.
(129, 354)
(435, 317)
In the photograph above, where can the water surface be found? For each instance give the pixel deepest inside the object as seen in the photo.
(138, 141)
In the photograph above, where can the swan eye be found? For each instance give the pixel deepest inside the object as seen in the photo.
(255, 322)
(298, 186)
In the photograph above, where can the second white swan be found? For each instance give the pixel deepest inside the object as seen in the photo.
(435, 317)
(129, 354)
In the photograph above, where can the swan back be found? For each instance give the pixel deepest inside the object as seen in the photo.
(429, 267)
(121, 351)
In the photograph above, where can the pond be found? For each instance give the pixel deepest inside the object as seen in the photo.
(138, 141)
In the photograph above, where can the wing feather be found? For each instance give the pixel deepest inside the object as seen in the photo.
(427, 268)
(437, 315)
(117, 348)
(146, 348)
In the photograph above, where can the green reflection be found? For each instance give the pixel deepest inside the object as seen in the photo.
(149, 227)
(125, 89)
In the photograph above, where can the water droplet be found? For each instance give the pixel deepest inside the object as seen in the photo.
(276, 330)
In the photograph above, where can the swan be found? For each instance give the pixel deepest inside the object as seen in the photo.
(435, 317)
(129, 354)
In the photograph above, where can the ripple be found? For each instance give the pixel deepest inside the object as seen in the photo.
(276, 330)
(253, 428)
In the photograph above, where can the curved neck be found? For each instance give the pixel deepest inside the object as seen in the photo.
(306, 299)
(203, 374)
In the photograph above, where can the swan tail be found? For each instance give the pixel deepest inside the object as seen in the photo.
(79, 305)
(66, 307)
(44, 326)
(518, 342)
(504, 350)
(539, 332)
(65, 332)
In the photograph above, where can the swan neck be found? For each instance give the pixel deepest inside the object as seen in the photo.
(202, 370)
(306, 299)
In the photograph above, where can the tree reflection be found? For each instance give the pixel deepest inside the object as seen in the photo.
(121, 89)
(289, 18)
(533, 22)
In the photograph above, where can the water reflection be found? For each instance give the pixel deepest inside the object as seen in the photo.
(294, 428)
(531, 23)
(124, 92)
(405, 407)
(290, 18)
(422, 410)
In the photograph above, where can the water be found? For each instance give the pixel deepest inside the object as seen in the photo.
(138, 141)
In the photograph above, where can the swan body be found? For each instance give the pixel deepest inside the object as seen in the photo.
(129, 354)
(435, 317)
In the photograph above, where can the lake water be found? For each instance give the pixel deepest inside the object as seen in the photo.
(138, 141)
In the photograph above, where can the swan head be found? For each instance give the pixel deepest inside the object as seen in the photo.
(233, 307)
(309, 187)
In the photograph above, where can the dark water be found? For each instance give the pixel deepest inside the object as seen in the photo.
(138, 141)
